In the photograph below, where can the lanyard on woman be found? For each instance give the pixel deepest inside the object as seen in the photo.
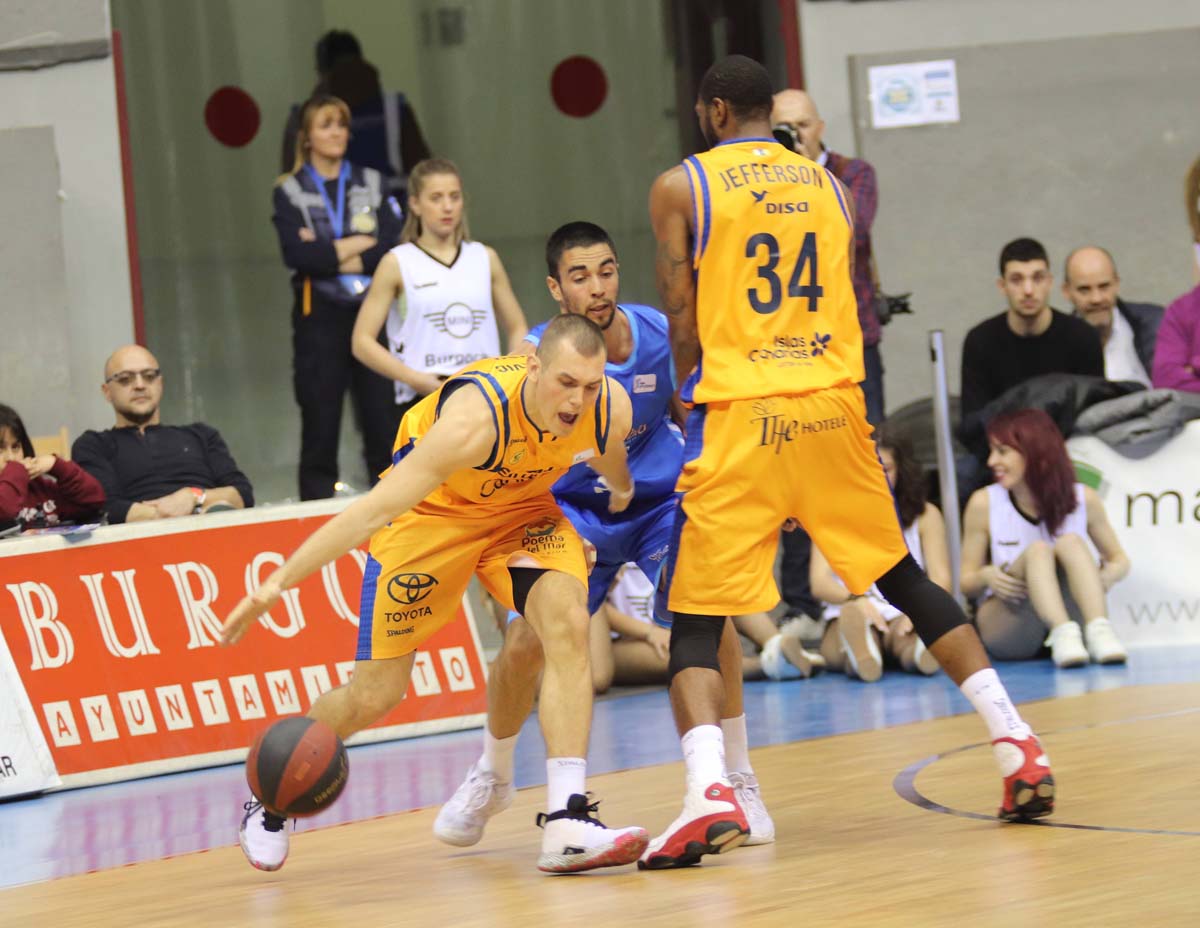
(336, 216)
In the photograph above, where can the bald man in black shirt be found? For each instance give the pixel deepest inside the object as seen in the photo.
(150, 470)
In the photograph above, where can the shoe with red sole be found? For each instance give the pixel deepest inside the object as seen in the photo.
(575, 840)
(712, 822)
(1028, 782)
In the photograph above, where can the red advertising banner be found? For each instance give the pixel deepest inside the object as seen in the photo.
(115, 641)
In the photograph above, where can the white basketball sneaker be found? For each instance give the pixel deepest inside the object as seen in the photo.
(925, 661)
(712, 822)
(784, 658)
(1103, 645)
(480, 796)
(574, 839)
(749, 797)
(263, 837)
(1066, 646)
(863, 657)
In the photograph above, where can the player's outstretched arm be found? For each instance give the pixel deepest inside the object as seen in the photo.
(613, 465)
(671, 219)
(462, 437)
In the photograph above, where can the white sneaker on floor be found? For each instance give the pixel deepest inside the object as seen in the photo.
(925, 661)
(1066, 646)
(1103, 645)
(263, 837)
(480, 796)
(574, 839)
(712, 822)
(804, 628)
(784, 658)
(749, 797)
(863, 657)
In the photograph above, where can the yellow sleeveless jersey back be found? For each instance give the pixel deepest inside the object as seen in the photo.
(775, 306)
(525, 461)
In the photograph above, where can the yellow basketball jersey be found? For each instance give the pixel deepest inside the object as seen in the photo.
(775, 306)
(525, 460)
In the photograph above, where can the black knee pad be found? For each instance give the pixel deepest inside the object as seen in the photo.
(523, 579)
(695, 640)
(933, 611)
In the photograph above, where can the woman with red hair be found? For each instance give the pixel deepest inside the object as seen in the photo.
(1024, 533)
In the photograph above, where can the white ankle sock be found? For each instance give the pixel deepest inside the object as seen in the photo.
(737, 749)
(704, 755)
(497, 756)
(564, 777)
(990, 699)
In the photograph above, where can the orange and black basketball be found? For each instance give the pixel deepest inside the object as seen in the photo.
(297, 767)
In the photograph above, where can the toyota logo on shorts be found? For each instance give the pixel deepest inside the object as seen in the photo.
(410, 588)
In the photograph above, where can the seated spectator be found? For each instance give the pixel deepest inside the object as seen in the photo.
(1021, 532)
(1026, 340)
(862, 633)
(1127, 330)
(40, 490)
(629, 649)
(1177, 355)
(154, 471)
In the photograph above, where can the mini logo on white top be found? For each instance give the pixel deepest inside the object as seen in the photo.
(645, 383)
(584, 455)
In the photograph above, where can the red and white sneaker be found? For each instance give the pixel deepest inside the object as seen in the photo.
(712, 822)
(575, 840)
(1028, 783)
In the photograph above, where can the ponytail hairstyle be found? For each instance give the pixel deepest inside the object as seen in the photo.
(431, 167)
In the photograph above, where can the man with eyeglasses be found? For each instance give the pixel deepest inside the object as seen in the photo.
(150, 470)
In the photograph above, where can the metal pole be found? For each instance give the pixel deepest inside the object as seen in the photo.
(948, 478)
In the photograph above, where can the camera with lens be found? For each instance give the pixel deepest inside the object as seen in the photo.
(788, 137)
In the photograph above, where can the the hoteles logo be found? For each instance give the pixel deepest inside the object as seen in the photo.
(411, 588)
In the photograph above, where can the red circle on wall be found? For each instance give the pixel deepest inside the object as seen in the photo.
(232, 116)
(578, 86)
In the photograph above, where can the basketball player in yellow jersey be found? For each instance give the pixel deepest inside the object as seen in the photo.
(754, 252)
(469, 491)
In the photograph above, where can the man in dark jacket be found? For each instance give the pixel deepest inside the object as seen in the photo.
(1128, 331)
(150, 470)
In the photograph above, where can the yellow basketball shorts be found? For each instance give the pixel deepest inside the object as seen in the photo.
(419, 567)
(752, 464)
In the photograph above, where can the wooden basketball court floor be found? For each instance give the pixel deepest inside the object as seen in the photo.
(883, 798)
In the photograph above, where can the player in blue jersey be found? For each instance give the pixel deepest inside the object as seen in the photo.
(583, 278)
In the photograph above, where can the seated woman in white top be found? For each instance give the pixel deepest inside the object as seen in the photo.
(456, 295)
(862, 632)
(1026, 531)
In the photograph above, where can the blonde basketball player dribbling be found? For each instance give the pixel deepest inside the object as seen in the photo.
(469, 492)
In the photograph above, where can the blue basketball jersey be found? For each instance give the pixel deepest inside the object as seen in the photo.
(654, 444)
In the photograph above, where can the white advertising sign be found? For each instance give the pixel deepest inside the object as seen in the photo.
(1153, 504)
(913, 94)
(25, 762)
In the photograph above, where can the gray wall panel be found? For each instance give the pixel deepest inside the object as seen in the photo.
(1071, 141)
(43, 33)
(35, 372)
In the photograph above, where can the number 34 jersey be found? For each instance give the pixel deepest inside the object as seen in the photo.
(775, 306)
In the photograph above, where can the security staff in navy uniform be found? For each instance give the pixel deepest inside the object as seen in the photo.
(335, 221)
